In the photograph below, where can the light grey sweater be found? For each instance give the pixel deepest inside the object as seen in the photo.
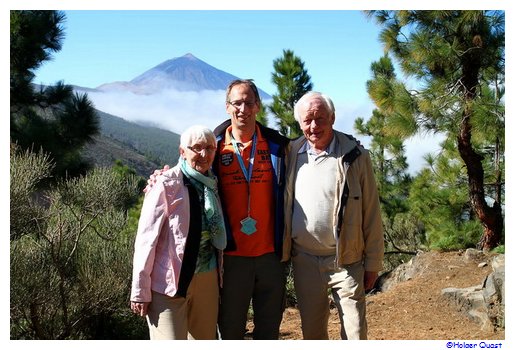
(312, 221)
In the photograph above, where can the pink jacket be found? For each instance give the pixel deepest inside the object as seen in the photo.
(161, 238)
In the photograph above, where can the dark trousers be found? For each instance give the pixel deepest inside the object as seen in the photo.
(261, 279)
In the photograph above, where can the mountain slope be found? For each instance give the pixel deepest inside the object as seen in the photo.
(105, 151)
(143, 148)
(155, 143)
(186, 73)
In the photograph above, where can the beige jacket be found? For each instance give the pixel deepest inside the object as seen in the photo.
(361, 235)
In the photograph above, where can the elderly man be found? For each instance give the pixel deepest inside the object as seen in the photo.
(333, 229)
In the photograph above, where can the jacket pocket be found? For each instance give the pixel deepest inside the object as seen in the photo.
(351, 243)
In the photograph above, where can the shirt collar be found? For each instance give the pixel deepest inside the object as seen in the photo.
(227, 137)
(331, 149)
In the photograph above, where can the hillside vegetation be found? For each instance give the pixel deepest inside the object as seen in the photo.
(142, 148)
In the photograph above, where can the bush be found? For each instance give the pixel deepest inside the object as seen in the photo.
(73, 265)
(404, 236)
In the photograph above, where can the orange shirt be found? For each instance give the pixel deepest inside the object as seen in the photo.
(235, 195)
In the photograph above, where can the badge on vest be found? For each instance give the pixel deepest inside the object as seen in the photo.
(226, 159)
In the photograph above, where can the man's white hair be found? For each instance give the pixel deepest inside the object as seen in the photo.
(325, 99)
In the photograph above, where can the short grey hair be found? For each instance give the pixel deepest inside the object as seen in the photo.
(247, 82)
(325, 99)
(197, 133)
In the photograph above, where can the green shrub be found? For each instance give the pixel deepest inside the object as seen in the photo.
(73, 265)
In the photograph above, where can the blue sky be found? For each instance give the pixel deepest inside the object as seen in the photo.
(104, 46)
(336, 43)
(336, 46)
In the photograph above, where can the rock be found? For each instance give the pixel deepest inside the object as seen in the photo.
(493, 292)
(472, 254)
(401, 273)
(471, 302)
(498, 262)
(484, 303)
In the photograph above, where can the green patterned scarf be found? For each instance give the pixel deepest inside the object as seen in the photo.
(212, 208)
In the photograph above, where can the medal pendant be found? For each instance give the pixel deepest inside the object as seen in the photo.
(248, 225)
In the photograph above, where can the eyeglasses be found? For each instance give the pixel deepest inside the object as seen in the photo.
(198, 149)
(238, 104)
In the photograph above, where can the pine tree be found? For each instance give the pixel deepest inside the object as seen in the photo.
(262, 117)
(49, 117)
(390, 163)
(292, 81)
(387, 148)
(456, 56)
(439, 197)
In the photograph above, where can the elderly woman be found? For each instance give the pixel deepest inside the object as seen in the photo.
(180, 235)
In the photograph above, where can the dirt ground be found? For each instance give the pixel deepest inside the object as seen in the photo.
(415, 309)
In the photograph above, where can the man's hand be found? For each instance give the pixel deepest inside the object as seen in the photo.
(152, 179)
(370, 279)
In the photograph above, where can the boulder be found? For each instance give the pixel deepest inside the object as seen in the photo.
(401, 273)
(484, 303)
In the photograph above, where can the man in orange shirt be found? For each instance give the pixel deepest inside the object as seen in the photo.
(250, 165)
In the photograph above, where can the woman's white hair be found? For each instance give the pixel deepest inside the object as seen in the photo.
(195, 134)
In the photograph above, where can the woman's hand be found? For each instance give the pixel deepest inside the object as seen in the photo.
(139, 308)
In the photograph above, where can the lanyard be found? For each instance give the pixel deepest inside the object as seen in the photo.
(248, 224)
(246, 172)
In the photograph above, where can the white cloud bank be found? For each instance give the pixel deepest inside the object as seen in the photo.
(177, 110)
(170, 109)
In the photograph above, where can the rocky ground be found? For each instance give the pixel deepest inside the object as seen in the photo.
(415, 309)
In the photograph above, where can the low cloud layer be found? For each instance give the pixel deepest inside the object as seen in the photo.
(170, 109)
(177, 110)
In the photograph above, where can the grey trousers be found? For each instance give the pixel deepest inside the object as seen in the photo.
(313, 276)
(261, 279)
